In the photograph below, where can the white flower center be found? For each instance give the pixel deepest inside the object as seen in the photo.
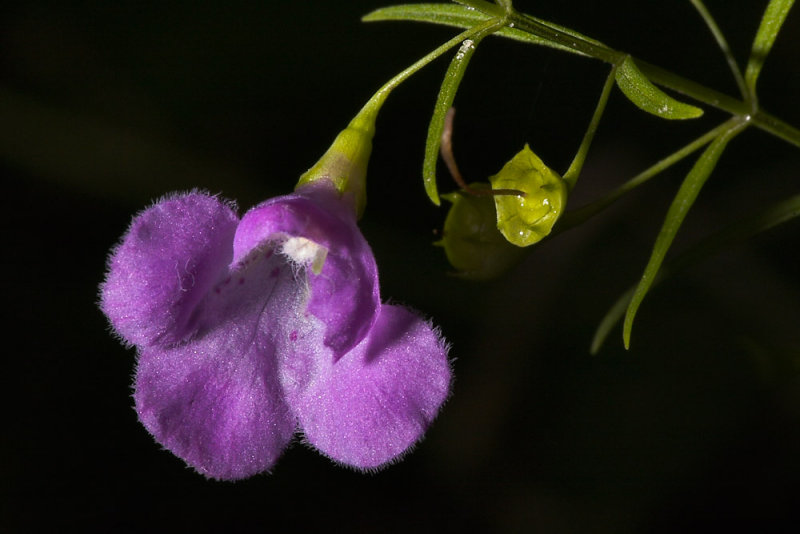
(304, 251)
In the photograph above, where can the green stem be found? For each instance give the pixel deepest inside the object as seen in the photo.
(570, 39)
(377, 100)
(345, 162)
(548, 31)
(657, 75)
(579, 216)
(723, 45)
(761, 119)
(694, 90)
(775, 126)
(571, 176)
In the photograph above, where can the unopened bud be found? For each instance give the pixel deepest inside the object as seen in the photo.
(471, 241)
(527, 220)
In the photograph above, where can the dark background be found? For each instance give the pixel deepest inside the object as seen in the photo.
(106, 106)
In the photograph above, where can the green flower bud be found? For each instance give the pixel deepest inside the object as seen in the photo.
(471, 241)
(527, 220)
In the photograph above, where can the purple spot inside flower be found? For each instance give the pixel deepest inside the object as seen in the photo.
(293, 335)
(275, 272)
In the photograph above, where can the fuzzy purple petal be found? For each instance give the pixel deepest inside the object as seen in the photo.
(171, 255)
(370, 406)
(345, 295)
(216, 401)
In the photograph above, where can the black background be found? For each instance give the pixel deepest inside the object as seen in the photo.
(109, 105)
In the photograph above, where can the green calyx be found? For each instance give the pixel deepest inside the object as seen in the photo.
(525, 220)
(471, 241)
(344, 164)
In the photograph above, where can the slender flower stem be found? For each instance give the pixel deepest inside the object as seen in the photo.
(571, 176)
(446, 151)
(345, 162)
(377, 100)
(761, 119)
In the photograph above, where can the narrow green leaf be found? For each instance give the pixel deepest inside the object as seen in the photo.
(779, 213)
(460, 17)
(447, 14)
(611, 318)
(444, 101)
(680, 206)
(650, 98)
(768, 30)
(579, 216)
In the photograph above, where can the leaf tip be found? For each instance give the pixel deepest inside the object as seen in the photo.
(649, 98)
(372, 16)
(432, 193)
(627, 327)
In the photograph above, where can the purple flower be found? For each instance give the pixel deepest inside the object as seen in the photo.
(249, 331)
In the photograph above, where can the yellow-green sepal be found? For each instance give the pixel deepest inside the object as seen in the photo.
(471, 241)
(527, 220)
